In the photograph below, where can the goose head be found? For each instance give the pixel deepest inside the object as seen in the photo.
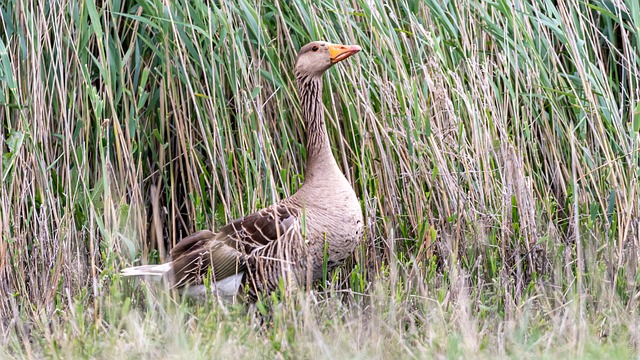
(318, 56)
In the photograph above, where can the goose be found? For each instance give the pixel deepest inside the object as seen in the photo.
(294, 240)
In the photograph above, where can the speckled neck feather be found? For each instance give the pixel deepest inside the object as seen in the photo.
(319, 156)
(312, 111)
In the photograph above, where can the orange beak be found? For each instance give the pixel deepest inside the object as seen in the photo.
(340, 52)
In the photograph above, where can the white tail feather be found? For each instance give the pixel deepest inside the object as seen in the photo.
(228, 286)
(149, 271)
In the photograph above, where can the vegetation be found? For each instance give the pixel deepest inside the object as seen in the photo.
(494, 146)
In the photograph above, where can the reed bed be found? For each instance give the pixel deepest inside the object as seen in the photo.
(494, 147)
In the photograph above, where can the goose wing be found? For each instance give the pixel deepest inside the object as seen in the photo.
(224, 253)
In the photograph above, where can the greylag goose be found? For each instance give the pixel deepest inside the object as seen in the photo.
(293, 240)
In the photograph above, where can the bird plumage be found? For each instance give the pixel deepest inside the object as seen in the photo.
(291, 239)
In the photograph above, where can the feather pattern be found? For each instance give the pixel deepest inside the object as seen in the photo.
(257, 241)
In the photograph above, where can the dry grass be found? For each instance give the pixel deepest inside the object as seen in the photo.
(494, 147)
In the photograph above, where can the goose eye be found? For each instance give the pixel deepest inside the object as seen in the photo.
(315, 48)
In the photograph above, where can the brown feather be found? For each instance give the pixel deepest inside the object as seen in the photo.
(238, 243)
(188, 242)
(260, 228)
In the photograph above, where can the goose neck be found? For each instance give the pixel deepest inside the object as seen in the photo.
(319, 156)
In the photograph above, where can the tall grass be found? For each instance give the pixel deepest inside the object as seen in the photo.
(494, 146)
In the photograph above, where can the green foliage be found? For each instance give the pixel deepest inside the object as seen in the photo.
(494, 146)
